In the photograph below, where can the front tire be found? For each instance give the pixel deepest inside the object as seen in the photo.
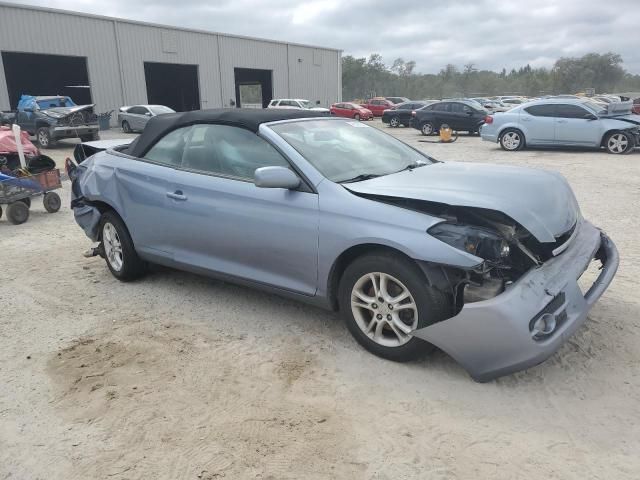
(126, 128)
(619, 143)
(512, 140)
(356, 117)
(51, 202)
(43, 137)
(394, 122)
(383, 298)
(117, 247)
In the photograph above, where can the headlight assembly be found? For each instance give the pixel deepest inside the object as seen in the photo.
(477, 241)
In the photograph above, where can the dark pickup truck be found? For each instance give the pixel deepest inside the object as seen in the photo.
(52, 118)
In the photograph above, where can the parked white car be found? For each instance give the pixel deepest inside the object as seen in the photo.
(134, 118)
(296, 103)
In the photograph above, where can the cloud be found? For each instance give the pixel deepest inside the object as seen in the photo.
(491, 34)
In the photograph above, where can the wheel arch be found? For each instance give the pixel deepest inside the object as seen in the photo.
(104, 207)
(434, 275)
(509, 126)
(611, 131)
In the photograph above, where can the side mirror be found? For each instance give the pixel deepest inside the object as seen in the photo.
(28, 109)
(148, 114)
(590, 116)
(469, 112)
(275, 177)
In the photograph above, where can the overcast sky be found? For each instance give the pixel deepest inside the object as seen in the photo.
(490, 33)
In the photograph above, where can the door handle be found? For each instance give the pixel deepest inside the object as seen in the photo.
(562, 121)
(177, 195)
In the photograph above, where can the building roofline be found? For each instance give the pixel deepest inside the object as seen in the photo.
(157, 25)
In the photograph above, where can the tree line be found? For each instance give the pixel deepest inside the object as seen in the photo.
(366, 77)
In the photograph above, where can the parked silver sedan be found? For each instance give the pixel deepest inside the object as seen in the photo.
(134, 118)
(413, 252)
(565, 122)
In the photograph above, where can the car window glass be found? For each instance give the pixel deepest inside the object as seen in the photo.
(456, 108)
(136, 110)
(547, 110)
(440, 107)
(570, 111)
(229, 151)
(169, 149)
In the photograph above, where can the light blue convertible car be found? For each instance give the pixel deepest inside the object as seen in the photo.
(565, 122)
(413, 252)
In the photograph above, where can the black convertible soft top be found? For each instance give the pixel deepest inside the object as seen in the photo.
(248, 118)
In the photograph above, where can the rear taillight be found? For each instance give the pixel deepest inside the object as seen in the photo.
(413, 113)
(488, 119)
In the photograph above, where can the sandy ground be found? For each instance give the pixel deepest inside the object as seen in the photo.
(180, 377)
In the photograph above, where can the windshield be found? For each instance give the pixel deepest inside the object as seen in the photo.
(305, 103)
(344, 150)
(160, 109)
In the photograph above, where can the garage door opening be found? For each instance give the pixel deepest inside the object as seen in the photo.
(254, 87)
(173, 85)
(43, 75)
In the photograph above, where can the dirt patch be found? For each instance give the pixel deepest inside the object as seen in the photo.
(145, 391)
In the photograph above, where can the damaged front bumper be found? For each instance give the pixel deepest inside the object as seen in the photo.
(493, 337)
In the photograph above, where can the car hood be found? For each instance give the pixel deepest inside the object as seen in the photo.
(540, 201)
(59, 112)
(631, 119)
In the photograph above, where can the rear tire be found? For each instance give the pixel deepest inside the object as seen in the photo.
(427, 129)
(17, 213)
(356, 116)
(379, 322)
(89, 138)
(119, 252)
(619, 143)
(51, 202)
(394, 122)
(512, 140)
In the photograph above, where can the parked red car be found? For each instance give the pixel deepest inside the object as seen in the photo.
(378, 105)
(351, 110)
(636, 106)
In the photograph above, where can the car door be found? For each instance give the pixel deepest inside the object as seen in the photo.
(575, 125)
(538, 123)
(230, 226)
(143, 186)
(140, 117)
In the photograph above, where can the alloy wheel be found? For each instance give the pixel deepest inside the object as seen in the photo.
(394, 122)
(43, 139)
(618, 143)
(384, 309)
(511, 140)
(427, 129)
(112, 246)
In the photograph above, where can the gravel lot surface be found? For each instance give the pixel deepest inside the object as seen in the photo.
(178, 376)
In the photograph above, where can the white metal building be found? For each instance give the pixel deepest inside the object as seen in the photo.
(113, 62)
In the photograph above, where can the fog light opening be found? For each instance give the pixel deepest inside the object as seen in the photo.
(544, 326)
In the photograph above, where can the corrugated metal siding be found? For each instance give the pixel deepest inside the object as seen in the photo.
(314, 74)
(242, 53)
(116, 52)
(139, 44)
(31, 31)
